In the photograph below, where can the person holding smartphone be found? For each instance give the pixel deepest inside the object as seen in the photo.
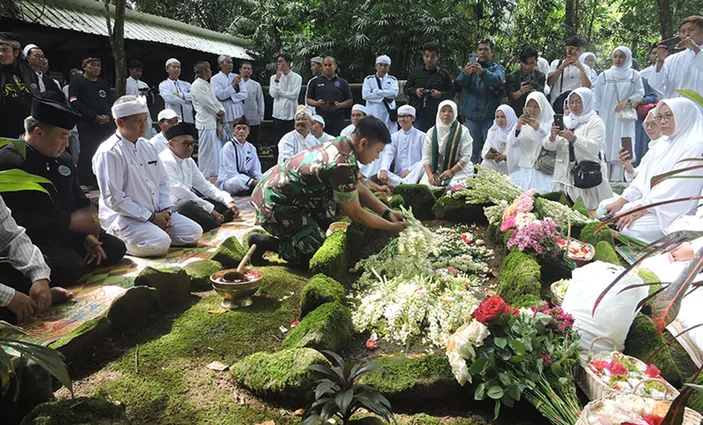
(525, 80)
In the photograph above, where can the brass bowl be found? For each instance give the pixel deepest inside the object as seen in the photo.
(236, 295)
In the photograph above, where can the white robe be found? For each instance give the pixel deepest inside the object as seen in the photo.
(325, 138)
(177, 97)
(254, 104)
(159, 142)
(231, 100)
(348, 130)
(683, 70)
(499, 144)
(285, 95)
(206, 108)
(374, 98)
(529, 143)
(132, 88)
(184, 176)
(590, 141)
(465, 151)
(133, 186)
(293, 143)
(239, 167)
(606, 98)
(405, 154)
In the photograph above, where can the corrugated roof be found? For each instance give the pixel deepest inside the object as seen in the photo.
(88, 16)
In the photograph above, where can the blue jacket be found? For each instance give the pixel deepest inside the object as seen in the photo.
(481, 93)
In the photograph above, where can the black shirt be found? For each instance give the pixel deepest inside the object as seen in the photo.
(513, 82)
(89, 98)
(335, 89)
(46, 217)
(16, 101)
(437, 79)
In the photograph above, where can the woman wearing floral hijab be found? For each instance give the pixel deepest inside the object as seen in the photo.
(618, 88)
(494, 151)
(446, 153)
(585, 132)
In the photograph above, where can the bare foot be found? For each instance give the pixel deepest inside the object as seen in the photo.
(60, 295)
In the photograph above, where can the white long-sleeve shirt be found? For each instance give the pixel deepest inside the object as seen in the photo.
(159, 142)
(132, 180)
(206, 105)
(571, 78)
(183, 176)
(405, 149)
(177, 96)
(255, 104)
(285, 95)
(293, 143)
(239, 165)
(374, 96)
(325, 138)
(231, 100)
(683, 70)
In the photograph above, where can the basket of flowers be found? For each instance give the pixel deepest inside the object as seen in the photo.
(623, 409)
(558, 290)
(607, 373)
(581, 252)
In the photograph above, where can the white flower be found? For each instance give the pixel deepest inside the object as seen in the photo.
(463, 344)
(459, 368)
(522, 219)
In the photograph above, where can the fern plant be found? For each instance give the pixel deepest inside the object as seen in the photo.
(339, 395)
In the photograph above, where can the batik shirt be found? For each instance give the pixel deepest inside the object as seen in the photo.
(309, 183)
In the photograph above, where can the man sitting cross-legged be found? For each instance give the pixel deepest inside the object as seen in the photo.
(240, 168)
(62, 222)
(213, 207)
(135, 201)
(167, 119)
(404, 152)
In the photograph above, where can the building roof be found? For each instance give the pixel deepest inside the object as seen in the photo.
(88, 16)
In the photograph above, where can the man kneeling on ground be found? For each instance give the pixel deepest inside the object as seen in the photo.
(208, 206)
(240, 168)
(295, 201)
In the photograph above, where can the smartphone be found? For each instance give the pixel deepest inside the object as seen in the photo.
(527, 110)
(671, 43)
(626, 143)
(473, 58)
(559, 121)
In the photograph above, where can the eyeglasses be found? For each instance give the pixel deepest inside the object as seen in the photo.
(188, 144)
(650, 124)
(665, 117)
(575, 102)
(404, 116)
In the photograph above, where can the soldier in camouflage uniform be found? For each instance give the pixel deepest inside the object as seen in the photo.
(295, 201)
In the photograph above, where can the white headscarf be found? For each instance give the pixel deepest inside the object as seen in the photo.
(443, 129)
(510, 117)
(572, 120)
(624, 70)
(688, 121)
(546, 116)
(585, 56)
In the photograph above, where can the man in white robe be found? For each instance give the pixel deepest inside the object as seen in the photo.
(209, 207)
(240, 168)
(404, 152)
(318, 129)
(136, 87)
(682, 70)
(208, 111)
(231, 91)
(358, 112)
(254, 105)
(167, 119)
(380, 91)
(176, 93)
(300, 138)
(135, 202)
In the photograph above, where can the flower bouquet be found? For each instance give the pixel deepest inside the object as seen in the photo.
(509, 354)
(578, 251)
(558, 290)
(631, 409)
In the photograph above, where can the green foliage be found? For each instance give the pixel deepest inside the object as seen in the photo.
(396, 201)
(519, 276)
(328, 327)
(696, 400)
(321, 289)
(605, 234)
(403, 373)
(643, 339)
(331, 258)
(17, 180)
(419, 198)
(81, 410)
(339, 395)
(606, 252)
(528, 300)
(230, 253)
(581, 207)
(199, 272)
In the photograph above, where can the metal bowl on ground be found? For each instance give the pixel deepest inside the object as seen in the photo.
(236, 288)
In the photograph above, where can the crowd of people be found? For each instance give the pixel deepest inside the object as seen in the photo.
(551, 127)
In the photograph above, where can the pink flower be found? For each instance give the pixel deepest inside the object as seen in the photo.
(652, 371)
(598, 366)
(547, 358)
(616, 368)
(294, 324)
(508, 223)
(466, 237)
(454, 272)
(372, 344)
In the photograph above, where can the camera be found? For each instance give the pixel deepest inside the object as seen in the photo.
(425, 95)
(425, 92)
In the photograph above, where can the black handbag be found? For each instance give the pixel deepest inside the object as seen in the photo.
(392, 113)
(586, 174)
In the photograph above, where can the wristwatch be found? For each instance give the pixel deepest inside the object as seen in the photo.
(386, 214)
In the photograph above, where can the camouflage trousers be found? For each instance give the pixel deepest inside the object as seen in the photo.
(300, 235)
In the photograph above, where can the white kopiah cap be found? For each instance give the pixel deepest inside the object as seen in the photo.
(29, 47)
(406, 110)
(167, 114)
(360, 108)
(383, 59)
(172, 60)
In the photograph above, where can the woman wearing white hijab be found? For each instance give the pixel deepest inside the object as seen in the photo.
(589, 59)
(617, 87)
(446, 153)
(682, 122)
(584, 130)
(494, 151)
(528, 134)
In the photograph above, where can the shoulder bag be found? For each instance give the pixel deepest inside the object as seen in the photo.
(586, 174)
(628, 113)
(392, 113)
(545, 161)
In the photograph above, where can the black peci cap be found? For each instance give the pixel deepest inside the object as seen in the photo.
(54, 113)
(181, 129)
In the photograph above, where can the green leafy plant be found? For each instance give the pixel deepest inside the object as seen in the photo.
(340, 395)
(16, 180)
(15, 353)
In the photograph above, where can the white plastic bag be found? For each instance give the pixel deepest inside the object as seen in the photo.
(615, 313)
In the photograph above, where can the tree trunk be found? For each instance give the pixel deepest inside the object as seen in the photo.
(666, 19)
(570, 19)
(116, 35)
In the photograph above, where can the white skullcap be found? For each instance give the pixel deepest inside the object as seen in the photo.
(134, 107)
(383, 59)
(222, 58)
(360, 108)
(406, 110)
(29, 47)
(167, 114)
(319, 119)
(302, 109)
(172, 60)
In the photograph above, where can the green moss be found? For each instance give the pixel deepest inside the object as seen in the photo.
(506, 236)
(457, 210)
(580, 206)
(100, 325)
(199, 272)
(328, 327)
(404, 373)
(321, 289)
(643, 340)
(527, 300)
(682, 360)
(245, 236)
(280, 373)
(606, 252)
(558, 197)
(605, 234)
(331, 258)
(356, 236)
(172, 284)
(555, 267)
(419, 197)
(519, 276)
(81, 410)
(396, 201)
(425, 419)
(230, 253)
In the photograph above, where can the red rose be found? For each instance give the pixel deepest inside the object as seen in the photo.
(653, 420)
(490, 310)
(616, 368)
(652, 371)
